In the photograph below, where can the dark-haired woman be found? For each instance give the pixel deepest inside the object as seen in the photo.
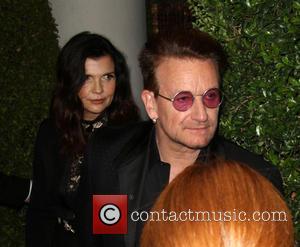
(93, 90)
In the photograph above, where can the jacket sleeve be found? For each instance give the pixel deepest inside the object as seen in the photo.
(13, 190)
(41, 219)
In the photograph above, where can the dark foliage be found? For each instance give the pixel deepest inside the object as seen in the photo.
(28, 51)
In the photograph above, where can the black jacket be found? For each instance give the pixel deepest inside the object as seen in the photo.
(118, 161)
(47, 199)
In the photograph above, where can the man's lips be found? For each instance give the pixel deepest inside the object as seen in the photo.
(201, 128)
(197, 127)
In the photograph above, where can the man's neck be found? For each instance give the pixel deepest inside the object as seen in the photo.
(178, 156)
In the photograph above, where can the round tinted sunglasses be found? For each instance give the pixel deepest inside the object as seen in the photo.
(184, 100)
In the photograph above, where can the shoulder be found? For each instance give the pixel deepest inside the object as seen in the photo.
(232, 151)
(47, 127)
(118, 141)
(47, 133)
(121, 134)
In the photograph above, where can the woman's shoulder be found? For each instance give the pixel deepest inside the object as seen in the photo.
(47, 124)
(47, 129)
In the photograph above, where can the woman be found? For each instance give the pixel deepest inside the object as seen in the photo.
(93, 90)
(231, 206)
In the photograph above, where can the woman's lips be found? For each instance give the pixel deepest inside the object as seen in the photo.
(98, 101)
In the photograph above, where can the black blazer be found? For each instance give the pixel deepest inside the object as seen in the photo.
(117, 162)
(47, 201)
(13, 190)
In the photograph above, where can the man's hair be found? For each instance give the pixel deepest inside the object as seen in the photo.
(221, 186)
(180, 44)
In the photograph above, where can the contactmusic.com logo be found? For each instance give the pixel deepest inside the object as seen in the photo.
(110, 214)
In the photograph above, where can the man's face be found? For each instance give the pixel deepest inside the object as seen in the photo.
(195, 127)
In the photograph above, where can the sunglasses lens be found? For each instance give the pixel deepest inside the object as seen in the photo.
(212, 98)
(183, 101)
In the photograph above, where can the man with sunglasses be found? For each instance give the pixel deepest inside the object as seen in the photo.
(182, 72)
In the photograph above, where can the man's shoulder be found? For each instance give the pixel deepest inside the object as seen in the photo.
(232, 151)
(130, 134)
(117, 145)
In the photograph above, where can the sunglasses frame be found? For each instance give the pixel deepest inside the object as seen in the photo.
(173, 99)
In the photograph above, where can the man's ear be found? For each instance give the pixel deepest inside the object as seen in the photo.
(149, 101)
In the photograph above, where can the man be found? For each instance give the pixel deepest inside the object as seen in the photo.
(14, 191)
(182, 74)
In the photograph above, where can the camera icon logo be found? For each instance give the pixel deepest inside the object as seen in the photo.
(110, 214)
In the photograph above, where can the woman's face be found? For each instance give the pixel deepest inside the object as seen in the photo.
(98, 90)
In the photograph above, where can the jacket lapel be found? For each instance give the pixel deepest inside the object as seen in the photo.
(131, 172)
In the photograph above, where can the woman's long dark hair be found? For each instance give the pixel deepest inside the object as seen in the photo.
(67, 109)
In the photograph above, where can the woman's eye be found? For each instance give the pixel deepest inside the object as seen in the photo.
(88, 78)
(108, 77)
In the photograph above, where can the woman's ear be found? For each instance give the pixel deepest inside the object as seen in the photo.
(149, 101)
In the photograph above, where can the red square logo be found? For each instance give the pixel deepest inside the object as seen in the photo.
(110, 214)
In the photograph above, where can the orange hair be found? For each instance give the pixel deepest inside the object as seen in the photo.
(221, 186)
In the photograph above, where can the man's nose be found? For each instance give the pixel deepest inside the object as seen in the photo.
(199, 110)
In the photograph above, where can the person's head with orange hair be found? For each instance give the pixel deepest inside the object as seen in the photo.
(234, 205)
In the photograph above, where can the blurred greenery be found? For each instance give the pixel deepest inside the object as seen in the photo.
(28, 51)
(262, 86)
